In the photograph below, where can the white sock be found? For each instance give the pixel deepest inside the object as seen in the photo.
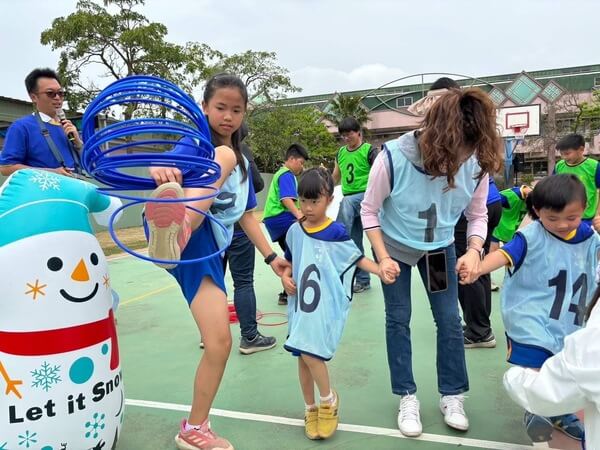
(189, 426)
(308, 407)
(328, 399)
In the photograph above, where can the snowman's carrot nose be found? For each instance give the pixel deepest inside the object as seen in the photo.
(80, 273)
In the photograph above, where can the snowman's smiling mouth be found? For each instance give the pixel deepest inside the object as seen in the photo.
(70, 298)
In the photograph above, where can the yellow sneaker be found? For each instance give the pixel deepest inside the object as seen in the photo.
(328, 418)
(310, 424)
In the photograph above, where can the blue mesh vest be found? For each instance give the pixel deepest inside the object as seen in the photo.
(323, 271)
(421, 212)
(545, 298)
(229, 206)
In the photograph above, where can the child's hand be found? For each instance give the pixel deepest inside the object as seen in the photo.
(279, 265)
(289, 285)
(466, 276)
(163, 175)
(388, 270)
(596, 223)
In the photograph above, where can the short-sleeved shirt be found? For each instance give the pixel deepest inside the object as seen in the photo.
(25, 144)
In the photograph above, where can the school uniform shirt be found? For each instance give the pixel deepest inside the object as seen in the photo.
(569, 381)
(548, 285)
(323, 265)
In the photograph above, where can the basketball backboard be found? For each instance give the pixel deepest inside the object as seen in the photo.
(519, 121)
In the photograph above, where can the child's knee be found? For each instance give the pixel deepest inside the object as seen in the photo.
(218, 347)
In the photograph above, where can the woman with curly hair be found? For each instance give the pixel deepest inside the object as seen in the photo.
(418, 187)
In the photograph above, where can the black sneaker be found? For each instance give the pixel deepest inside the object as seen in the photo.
(487, 342)
(359, 287)
(258, 344)
(282, 299)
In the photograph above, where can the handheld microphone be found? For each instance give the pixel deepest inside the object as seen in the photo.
(61, 116)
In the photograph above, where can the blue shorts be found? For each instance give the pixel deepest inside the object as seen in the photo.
(297, 353)
(526, 355)
(189, 276)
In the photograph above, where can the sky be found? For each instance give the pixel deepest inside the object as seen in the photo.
(341, 45)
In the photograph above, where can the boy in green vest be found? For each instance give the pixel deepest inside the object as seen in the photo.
(571, 149)
(514, 210)
(352, 167)
(281, 207)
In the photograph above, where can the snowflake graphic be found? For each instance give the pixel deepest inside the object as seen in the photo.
(4, 446)
(46, 180)
(95, 425)
(45, 376)
(28, 439)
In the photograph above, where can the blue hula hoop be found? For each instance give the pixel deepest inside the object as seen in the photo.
(104, 154)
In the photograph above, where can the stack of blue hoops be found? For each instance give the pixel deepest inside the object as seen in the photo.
(105, 151)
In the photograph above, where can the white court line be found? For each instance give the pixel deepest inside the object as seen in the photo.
(125, 255)
(377, 431)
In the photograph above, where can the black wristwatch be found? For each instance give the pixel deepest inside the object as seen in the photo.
(269, 259)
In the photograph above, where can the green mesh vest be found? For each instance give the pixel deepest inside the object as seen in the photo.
(586, 172)
(354, 168)
(273, 205)
(511, 216)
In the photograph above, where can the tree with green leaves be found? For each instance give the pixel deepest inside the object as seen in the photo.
(272, 130)
(588, 117)
(265, 80)
(122, 42)
(342, 106)
(117, 38)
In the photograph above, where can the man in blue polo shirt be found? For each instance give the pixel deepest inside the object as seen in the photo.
(41, 139)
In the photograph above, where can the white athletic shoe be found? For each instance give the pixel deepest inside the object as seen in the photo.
(453, 410)
(409, 419)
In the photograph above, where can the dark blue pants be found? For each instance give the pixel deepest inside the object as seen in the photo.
(240, 256)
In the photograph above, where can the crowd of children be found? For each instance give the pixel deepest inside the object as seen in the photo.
(412, 196)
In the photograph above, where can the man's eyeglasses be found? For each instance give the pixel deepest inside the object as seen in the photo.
(54, 94)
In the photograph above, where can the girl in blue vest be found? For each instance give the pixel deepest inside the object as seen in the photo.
(548, 285)
(178, 233)
(324, 260)
(418, 187)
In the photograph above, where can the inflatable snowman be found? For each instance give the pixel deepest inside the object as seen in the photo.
(60, 380)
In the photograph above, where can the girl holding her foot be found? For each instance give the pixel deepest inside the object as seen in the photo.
(178, 233)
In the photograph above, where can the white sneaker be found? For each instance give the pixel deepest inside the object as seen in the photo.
(453, 410)
(409, 419)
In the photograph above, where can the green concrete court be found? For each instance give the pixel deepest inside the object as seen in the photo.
(259, 405)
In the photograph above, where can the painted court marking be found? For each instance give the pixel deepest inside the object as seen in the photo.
(376, 431)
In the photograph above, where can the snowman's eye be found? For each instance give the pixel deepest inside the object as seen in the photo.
(94, 259)
(55, 264)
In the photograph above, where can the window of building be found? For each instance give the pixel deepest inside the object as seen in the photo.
(403, 102)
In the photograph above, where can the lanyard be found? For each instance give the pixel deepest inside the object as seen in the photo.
(54, 149)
